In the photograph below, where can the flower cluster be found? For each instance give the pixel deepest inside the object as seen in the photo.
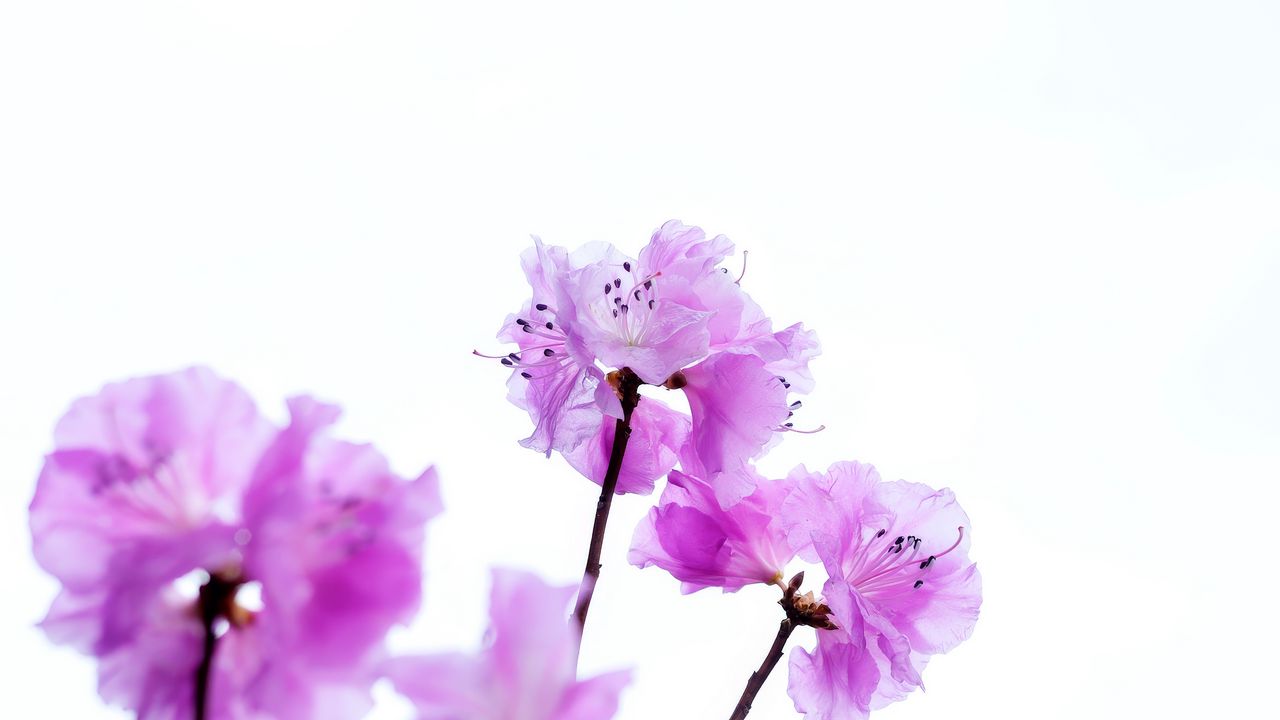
(674, 318)
(900, 587)
(221, 566)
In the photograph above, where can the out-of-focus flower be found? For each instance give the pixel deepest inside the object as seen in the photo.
(691, 536)
(526, 670)
(901, 587)
(305, 550)
(673, 317)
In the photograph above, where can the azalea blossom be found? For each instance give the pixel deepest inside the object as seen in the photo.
(702, 544)
(673, 317)
(526, 671)
(174, 515)
(901, 587)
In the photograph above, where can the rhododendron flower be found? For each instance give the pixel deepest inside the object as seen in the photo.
(900, 588)
(525, 672)
(671, 316)
(691, 536)
(306, 550)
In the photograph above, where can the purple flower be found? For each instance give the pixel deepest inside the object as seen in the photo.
(158, 480)
(704, 545)
(672, 316)
(526, 670)
(900, 588)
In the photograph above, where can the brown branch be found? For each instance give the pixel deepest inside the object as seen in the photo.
(758, 677)
(627, 384)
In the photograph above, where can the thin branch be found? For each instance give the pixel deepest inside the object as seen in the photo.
(627, 384)
(758, 677)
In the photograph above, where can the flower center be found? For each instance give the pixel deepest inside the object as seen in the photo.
(889, 566)
(629, 310)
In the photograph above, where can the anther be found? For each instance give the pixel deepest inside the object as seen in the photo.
(617, 282)
(550, 326)
(626, 266)
(637, 294)
(918, 584)
(548, 352)
(607, 288)
(522, 322)
(541, 306)
(899, 541)
(648, 284)
(623, 308)
(650, 304)
(880, 534)
(525, 375)
(507, 362)
(795, 405)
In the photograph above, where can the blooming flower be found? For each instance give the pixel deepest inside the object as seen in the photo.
(160, 479)
(691, 536)
(525, 672)
(900, 588)
(672, 316)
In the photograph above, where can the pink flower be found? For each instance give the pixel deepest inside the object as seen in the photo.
(672, 309)
(704, 545)
(526, 670)
(161, 479)
(900, 588)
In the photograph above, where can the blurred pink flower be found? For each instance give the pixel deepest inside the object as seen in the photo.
(526, 671)
(162, 479)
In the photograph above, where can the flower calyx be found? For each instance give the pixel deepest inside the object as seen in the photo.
(805, 609)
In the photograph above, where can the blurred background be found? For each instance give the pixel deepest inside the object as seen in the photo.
(1039, 241)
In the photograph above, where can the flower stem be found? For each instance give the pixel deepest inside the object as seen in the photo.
(758, 677)
(628, 385)
(212, 599)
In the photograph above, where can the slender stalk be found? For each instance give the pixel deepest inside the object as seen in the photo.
(628, 385)
(758, 677)
(621, 433)
(212, 599)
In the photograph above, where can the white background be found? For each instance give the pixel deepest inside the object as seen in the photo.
(1039, 240)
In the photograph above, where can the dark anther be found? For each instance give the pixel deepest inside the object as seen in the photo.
(637, 294)
(626, 266)
(650, 304)
(880, 534)
(617, 282)
(607, 287)
(615, 313)
(507, 362)
(550, 326)
(525, 375)
(521, 321)
(928, 562)
(899, 541)
(623, 308)
(796, 404)
(527, 328)
(513, 356)
(788, 424)
(782, 378)
(648, 284)
(548, 352)
(918, 583)
(617, 301)
(541, 306)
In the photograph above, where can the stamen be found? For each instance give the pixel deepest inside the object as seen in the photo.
(786, 427)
